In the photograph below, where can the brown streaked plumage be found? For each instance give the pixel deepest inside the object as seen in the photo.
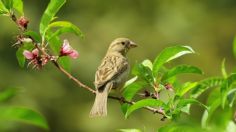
(111, 74)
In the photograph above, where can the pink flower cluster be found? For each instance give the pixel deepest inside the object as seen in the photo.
(41, 60)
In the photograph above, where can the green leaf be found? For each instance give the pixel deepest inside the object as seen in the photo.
(143, 72)
(223, 70)
(7, 94)
(143, 103)
(180, 70)
(22, 115)
(33, 35)
(231, 96)
(234, 46)
(226, 87)
(52, 8)
(186, 109)
(55, 44)
(65, 27)
(129, 130)
(20, 57)
(19, 53)
(169, 54)
(184, 89)
(184, 102)
(147, 63)
(130, 81)
(64, 61)
(208, 113)
(205, 84)
(8, 4)
(213, 95)
(181, 127)
(130, 91)
(18, 5)
(3, 8)
(231, 79)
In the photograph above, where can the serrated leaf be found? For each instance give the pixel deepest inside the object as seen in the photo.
(184, 102)
(181, 69)
(129, 130)
(49, 14)
(169, 54)
(18, 5)
(7, 94)
(34, 35)
(23, 115)
(64, 27)
(143, 103)
(205, 84)
(64, 61)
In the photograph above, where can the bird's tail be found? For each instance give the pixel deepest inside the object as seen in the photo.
(99, 108)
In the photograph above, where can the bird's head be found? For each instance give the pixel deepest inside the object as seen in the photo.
(121, 45)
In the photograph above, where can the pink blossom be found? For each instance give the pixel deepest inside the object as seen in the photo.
(23, 22)
(74, 54)
(31, 55)
(67, 50)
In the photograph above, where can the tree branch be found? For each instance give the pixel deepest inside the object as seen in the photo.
(79, 83)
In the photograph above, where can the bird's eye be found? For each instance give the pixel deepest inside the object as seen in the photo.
(123, 43)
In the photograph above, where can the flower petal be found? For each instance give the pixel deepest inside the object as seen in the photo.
(66, 48)
(74, 54)
(28, 55)
(35, 52)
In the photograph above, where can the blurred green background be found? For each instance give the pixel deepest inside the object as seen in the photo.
(208, 26)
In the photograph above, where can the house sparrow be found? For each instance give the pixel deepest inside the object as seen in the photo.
(111, 74)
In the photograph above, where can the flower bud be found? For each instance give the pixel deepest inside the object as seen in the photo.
(23, 22)
(67, 50)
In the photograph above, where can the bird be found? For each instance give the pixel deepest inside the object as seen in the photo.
(111, 74)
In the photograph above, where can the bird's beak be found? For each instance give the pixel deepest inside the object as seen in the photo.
(132, 45)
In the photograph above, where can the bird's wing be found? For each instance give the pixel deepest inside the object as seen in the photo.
(111, 67)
